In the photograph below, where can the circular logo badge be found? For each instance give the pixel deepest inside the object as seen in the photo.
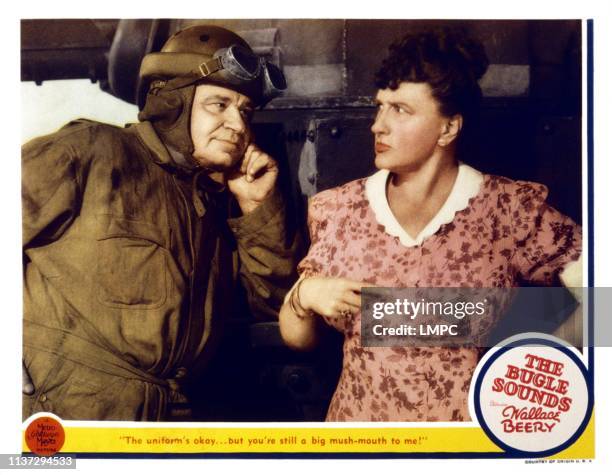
(45, 436)
(531, 396)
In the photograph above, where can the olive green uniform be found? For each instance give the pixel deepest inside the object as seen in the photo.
(130, 264)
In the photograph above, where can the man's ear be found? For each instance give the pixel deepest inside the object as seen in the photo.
(450, 130)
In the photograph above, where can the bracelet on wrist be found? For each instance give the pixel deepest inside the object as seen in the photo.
(296, 305)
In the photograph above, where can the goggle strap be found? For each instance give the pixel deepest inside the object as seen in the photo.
(210, 67)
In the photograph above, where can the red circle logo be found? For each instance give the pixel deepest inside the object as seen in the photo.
(45, 436)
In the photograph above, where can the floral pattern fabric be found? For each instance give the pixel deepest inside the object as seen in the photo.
(506, 235)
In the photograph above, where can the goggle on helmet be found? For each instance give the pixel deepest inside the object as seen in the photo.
(218, 56)
(236, 63)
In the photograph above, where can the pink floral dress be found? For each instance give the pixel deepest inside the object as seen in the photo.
(491, 232)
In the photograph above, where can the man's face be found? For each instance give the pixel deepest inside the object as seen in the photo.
(220, 126)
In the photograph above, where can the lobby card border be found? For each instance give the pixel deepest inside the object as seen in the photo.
(508, 453)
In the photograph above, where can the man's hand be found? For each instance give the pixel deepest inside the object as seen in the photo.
(255, 180)
(27, 387)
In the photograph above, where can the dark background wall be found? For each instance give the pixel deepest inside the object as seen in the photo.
(531, 126)
(531, 114)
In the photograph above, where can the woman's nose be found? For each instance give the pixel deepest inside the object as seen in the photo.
(379, 126)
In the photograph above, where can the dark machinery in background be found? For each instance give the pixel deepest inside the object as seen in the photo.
(320, 133)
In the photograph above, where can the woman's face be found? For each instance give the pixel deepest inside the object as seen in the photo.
(407, 127)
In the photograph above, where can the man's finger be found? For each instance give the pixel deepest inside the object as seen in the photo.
(260, 162)
(248, 156)
(27, 386)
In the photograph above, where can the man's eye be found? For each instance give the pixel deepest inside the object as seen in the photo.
(217, 106)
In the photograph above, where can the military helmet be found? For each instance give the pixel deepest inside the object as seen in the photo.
(214, 55)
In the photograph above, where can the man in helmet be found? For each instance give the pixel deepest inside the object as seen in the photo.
(134, 238)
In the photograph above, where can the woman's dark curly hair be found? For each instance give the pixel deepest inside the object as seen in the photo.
(447, 59)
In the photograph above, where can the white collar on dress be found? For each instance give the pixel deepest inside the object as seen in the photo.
(466, 186)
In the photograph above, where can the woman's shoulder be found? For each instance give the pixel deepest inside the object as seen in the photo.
(335, 203)
(509, 191)
(512, 197)
(340, 195)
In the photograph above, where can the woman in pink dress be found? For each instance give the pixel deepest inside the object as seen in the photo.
(424, 219)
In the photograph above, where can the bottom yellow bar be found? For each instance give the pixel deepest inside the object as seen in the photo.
(261, 440)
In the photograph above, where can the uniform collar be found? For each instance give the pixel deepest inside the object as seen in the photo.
(466, 186)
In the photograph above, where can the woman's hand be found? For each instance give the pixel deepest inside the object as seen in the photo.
(331, 296)
(317, 296)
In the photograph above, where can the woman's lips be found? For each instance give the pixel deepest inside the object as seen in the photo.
(381, 147)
